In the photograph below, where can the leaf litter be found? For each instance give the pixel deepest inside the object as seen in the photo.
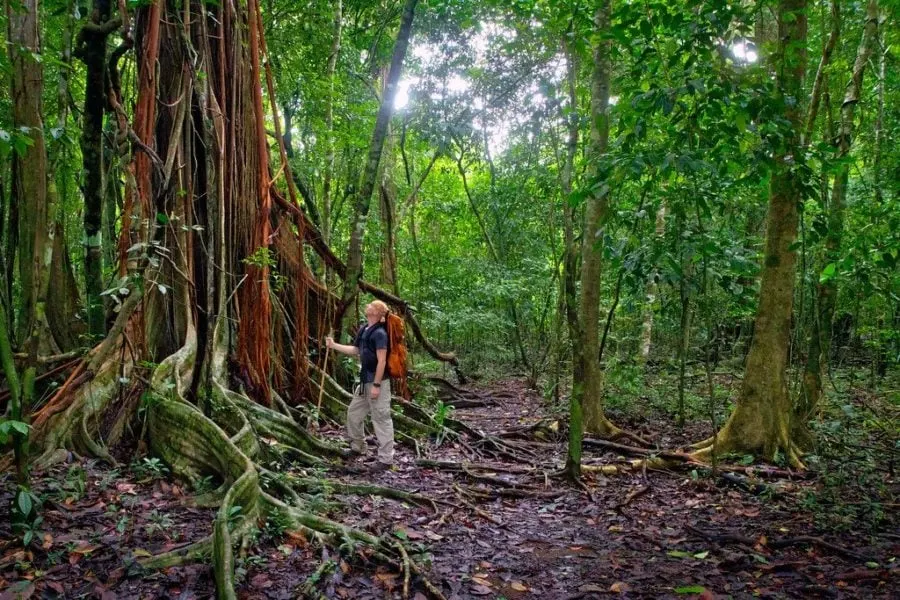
(683, 537)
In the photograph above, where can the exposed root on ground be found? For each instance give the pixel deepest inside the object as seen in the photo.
(663, 459)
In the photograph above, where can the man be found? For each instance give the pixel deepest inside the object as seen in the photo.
(373, 395)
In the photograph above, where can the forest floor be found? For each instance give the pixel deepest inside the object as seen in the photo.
(515, 532)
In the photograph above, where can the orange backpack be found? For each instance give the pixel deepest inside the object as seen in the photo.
(397, 355)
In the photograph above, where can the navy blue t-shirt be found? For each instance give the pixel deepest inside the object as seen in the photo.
(368, 340)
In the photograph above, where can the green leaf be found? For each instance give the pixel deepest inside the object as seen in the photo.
(678, 554)
(690, 589)
(827, 273)
(20, 427)
(162, 218)
(24, 502)
(401, 534)
(702, 555)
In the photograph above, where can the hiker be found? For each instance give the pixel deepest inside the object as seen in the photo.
(373, 395)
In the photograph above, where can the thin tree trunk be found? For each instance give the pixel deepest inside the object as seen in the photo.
(684, 342)
(585, 404)
(819, 83)
(571, 249)
(495, 255)
(370, 174)
(879, 122)
(326, 215)
(650, 293)
(827, 290)
(91, 49)
(64, 305)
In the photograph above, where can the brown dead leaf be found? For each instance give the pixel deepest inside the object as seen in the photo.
(85, 548)
(126, 488)
(619, 587)
(20, 590)
(420, 596)
(297, 538)
(519, 587)
(485, 565)
(386, 580)
(261, 581)
(345, 567)
(10, 558)
(590, 587)
(48, 541)
(480, 590)
(480, 579)
(56, 587)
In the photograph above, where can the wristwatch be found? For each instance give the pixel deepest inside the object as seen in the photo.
(376, 384)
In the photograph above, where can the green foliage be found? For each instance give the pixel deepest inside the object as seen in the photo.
(149, 468)
(8, 428)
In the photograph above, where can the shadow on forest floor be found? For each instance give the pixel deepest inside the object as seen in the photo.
(643, 535)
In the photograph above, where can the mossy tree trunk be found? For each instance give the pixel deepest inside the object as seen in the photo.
(586, 403)
(761, 421)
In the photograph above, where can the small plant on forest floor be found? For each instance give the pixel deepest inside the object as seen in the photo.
(75, 483)
(108, 477)
(203, 485)
(149, 468)
(158, 522)
(442, 412)
(275, 527)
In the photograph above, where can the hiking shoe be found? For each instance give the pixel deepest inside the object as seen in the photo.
(354, 455)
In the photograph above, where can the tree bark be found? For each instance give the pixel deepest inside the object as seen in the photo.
(567, 179)
(91, 49)
(585, 403)
(760, 423)
(35, 232)
(827, 289)
(370, 174)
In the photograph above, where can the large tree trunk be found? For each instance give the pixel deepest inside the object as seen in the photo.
(370, 174)
(827, 290)
(760, 423)
(34, 209)
(586, 403)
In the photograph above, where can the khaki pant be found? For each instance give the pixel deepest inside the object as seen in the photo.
(380, 410)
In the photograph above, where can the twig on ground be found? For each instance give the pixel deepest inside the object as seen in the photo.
(632, 496)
